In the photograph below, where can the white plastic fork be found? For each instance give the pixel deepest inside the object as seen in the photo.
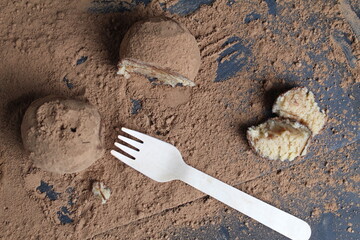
(163, 162)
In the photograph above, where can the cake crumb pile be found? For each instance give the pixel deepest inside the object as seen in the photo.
(279, 139)
(299, 104)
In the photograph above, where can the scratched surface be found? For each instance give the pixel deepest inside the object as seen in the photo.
(335, 99)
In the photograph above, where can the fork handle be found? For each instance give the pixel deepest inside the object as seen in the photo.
(272, 217)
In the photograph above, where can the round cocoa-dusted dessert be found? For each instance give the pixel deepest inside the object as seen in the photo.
(299, 104)
(279, 139)
(62, 135)
(160, 48)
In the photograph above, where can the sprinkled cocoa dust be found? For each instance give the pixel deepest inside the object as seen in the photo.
(60, 48)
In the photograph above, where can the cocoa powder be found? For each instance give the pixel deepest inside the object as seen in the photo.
(70, 49)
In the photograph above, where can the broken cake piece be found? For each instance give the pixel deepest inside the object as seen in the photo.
(279, 139)
(299, 104)
(161, 49)
(101, 191)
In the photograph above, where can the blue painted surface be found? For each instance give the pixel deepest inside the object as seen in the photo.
(239, 57)
(81, 60)
(224, 233)
(65, 210)
(182, 7)
(63, 216)
(71, 195)
(334, 225)
(136, 106)
(185, 7)
(68, 83)
(64, 213)
(355, 5)
(355, 93)
(48, 190)
(252, 17)
(271, 6)
(345, 45)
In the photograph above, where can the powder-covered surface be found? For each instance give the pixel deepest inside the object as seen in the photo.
(326, 200)
(62, 135)
(249, 56)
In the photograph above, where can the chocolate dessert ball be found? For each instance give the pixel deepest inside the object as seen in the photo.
(62, 135)
(160, 48)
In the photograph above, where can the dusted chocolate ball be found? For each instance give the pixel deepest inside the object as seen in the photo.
(62, 135)
(160, 48)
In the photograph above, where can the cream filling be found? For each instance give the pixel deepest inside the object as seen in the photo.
(127, 66)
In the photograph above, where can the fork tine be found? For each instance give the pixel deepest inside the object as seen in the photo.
(136, 134)
(123, 158)
(130, 142)
(126, 149)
